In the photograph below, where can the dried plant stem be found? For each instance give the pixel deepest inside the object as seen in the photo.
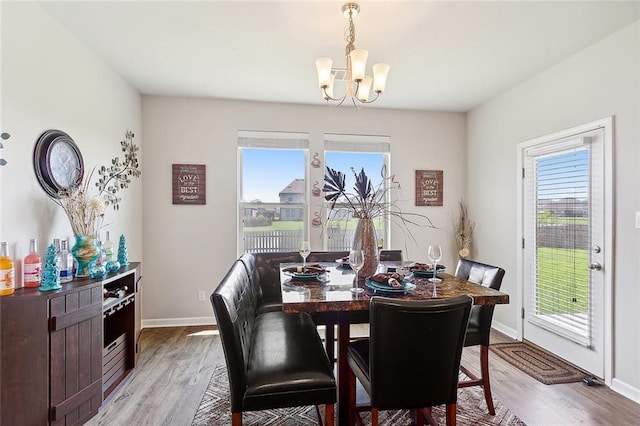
(464, 230)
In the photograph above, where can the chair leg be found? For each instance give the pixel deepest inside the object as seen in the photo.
(236, 419)
(353, 410)
(329, 414)
(426, 412)
(329, 339)
(451, 414)
(374, 416)
(486, 384)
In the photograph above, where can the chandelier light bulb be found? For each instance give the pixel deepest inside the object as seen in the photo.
(328, 91)
(380, 72)
(364, 88)
(323, 66)
(358, 64)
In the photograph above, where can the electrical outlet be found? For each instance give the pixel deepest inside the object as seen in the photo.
(638, 220)
(202, 296)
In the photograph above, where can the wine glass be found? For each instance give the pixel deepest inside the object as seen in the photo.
(305, 249)
(435, 254)
(356, 261)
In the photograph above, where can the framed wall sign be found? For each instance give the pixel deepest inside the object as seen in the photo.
(189, 183)
(429, 187)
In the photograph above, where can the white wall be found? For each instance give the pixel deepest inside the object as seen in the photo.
(600, 81)
(51, 81)
(189, 248)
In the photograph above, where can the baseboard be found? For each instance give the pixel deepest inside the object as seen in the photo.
(178, 322)
(626, 389)
(508, 331)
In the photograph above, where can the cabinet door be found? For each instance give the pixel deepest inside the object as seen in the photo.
(76, 356)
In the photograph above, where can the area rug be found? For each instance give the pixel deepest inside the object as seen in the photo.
(215, 406)
(538, 363)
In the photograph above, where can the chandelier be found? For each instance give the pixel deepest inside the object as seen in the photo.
(358, 85)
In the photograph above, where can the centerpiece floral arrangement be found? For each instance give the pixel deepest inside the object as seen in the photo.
(367, 202)
(85, 207)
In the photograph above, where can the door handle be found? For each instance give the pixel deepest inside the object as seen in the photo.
(595, 266)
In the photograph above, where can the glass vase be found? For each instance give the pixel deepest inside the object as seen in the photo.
(365, 239)
(85, 251)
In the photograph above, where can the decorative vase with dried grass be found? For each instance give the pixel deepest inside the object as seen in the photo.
(368, 203)
(85, 210)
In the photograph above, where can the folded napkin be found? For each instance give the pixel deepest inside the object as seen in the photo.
(391, 279)
(417, 266)
(307, 269)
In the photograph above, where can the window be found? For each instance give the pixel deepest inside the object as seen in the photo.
(342, 153)
(557, 212)
(272, 206)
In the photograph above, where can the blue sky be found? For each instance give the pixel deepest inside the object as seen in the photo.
(564, 175)
(265, 172)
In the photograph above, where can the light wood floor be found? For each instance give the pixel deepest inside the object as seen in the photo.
(175, 365)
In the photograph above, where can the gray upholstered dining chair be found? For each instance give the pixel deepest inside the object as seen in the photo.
(479, 329)
(412, 357)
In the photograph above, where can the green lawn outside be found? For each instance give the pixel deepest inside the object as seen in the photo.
(276, 225)
(298, 225)
(563, 273)
(549, 218)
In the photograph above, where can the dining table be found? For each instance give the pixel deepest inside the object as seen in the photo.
(330, 292)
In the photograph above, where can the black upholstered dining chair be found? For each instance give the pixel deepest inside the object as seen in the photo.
(479, 328)
(412, 357)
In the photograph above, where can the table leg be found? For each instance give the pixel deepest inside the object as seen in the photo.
(343, 368)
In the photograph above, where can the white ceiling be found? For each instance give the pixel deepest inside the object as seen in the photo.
(448, 56)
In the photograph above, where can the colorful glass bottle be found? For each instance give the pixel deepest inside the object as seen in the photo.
(7, 271)
(65, 263)
(108, 249)
(32, 265)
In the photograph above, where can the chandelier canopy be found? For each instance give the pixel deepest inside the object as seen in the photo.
(358, 85)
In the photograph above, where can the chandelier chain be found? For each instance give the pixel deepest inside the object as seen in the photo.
(350, 37)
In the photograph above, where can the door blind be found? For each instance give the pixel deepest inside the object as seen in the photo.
(557, 209)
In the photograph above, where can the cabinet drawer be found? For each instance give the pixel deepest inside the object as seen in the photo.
(114, 362)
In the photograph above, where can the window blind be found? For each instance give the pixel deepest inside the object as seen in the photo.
(356, 143)
(262, 139)
(557, 209)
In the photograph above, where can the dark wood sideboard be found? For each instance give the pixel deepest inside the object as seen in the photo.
(63, 352)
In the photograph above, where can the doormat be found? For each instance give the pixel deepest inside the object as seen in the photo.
(215, 410)
(538, 363)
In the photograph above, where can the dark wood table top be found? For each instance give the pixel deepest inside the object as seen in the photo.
(332, 293)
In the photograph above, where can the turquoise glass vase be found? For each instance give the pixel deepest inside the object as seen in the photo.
(85, 251)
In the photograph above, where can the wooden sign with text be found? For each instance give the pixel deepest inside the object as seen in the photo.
(189, 183)
(429, 187)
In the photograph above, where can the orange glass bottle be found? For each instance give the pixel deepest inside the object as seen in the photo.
(7, 271)
(32, 266)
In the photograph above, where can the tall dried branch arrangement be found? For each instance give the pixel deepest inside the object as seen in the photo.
(84, 209)
(368, 201)
(464, 230)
